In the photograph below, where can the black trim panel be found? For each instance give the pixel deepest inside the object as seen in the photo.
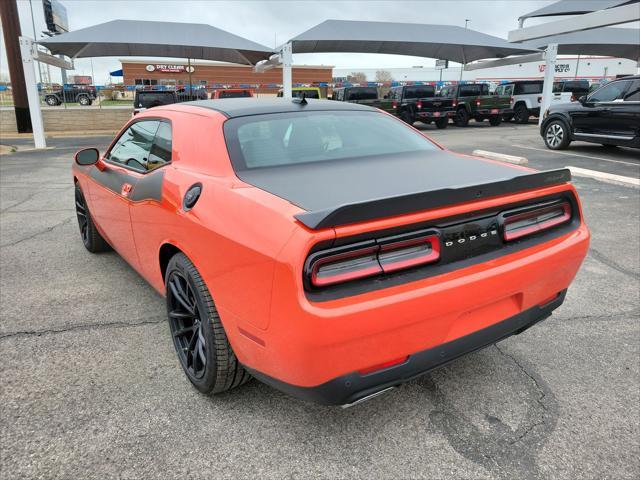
(411, 203)
(148, 187)
(354, 386)
(111, 179)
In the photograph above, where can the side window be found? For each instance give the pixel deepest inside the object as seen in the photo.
(499, 90)
(508, 90)
(133, 147)
(160, 153)
(610, 92)
(633, 94)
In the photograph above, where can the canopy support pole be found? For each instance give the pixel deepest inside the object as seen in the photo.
(549, 72)
(37, 125)
(286, 54)
(190, 81)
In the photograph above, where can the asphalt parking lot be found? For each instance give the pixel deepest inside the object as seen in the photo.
(91, 386)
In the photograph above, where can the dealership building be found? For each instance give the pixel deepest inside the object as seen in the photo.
(592, 68)
(218, 75)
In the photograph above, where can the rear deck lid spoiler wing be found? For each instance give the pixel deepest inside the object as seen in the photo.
(415, 202)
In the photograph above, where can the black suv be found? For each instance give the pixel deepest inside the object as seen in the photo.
(153, 98)
(82, 94)
(610, 115)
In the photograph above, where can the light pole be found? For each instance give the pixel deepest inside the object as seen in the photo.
(466, 22)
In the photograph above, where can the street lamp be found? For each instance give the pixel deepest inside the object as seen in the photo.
(466, 22)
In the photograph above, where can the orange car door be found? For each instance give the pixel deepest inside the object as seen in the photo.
(115, 177)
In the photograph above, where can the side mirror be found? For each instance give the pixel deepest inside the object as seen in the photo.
(88, 156)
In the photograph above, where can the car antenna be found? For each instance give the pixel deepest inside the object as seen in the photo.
(301, 100)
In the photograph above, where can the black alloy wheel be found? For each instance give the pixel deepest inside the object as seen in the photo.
(187, 325)
(198, 335)
(91, 238)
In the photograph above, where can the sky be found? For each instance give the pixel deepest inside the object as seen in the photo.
(273, 22)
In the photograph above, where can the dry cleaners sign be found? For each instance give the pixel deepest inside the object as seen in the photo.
(164, 68)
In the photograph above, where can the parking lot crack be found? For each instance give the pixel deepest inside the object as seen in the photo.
(37, 234)
(611, 264)
(541, 395)
(71, 328)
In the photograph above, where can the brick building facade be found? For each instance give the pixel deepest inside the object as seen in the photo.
(152, 72)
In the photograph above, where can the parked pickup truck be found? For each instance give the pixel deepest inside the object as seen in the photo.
(71, 93)
(472, 100)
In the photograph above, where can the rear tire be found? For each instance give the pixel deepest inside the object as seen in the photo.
(198, 335)
(556, 135)
(521, 113)
(462, 117)
(495, 120)
(91, 238)
(84, 100)
(442, 123)
(52, 101)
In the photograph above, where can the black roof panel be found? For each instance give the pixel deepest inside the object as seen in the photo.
(240, 107)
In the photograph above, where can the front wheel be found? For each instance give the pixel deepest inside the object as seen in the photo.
(52, 101)
(198, 335)
(442, 122)
(462, 118)
(407, 117)
(91, 238)
(556, 135)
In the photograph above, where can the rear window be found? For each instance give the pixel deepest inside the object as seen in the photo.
(528, 88)
(579, 87)
(154, 99)
(419, 92)
(307, 94)
(473, 90)
(362, 94)
(234, 94)
(303, 137)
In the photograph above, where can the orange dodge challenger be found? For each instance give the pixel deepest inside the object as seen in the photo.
(325, 248)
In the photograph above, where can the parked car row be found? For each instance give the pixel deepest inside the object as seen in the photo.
(414, 103)
(154, 98)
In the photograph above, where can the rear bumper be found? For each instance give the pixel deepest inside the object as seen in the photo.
(435, 115)
(493, 111)
(351, 388)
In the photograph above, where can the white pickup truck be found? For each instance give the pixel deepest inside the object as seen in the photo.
(526, 96)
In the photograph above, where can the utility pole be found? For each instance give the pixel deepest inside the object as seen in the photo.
(12, 34)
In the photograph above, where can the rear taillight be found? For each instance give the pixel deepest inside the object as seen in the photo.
(511, 99)
(454, 103)
(374, 257)
(521, 223)
(477, 103)
(345, 266)
(419, 104)
(409, 253)
(573, 98)
(394, 105)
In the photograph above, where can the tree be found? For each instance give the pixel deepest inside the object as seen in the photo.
(383, 76)
(357, 77)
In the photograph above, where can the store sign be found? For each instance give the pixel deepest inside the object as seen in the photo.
(442, 64)
(164, 68)
(560, 68)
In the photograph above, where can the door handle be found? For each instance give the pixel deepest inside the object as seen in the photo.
(126, 189)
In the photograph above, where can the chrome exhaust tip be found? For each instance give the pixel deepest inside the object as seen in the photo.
(368, 397)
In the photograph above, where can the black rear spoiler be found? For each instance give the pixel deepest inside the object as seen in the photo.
(415, 202)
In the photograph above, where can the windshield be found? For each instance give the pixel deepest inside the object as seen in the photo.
(304, 137)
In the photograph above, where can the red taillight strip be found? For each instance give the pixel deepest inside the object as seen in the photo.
(382, 366)
(538, 226)
(367, 270)
(399, 261)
